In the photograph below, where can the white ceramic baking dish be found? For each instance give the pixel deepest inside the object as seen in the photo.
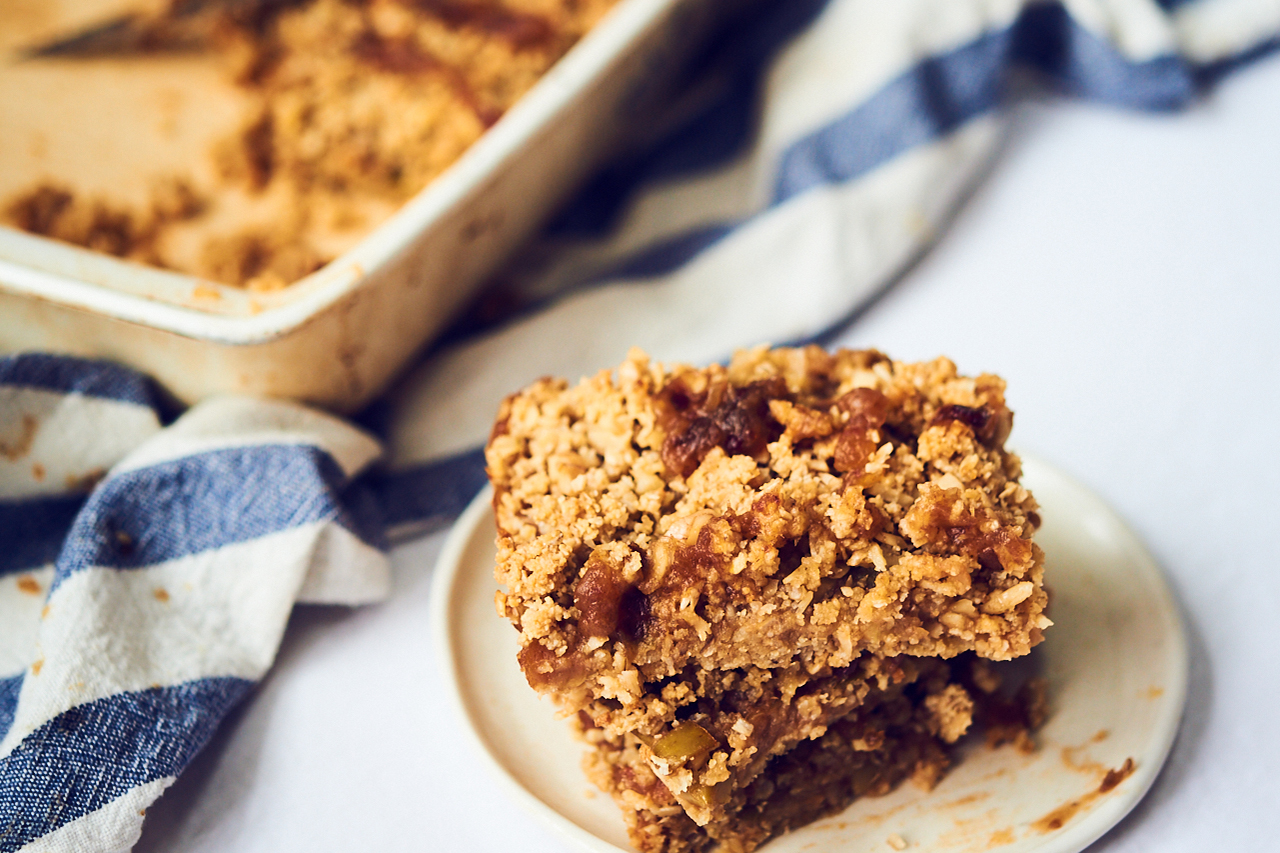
(337, 337)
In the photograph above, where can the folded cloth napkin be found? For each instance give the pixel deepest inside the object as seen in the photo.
(133, 617)
(148, 567)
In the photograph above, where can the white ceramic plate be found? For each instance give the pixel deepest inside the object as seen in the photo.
(1116, 662)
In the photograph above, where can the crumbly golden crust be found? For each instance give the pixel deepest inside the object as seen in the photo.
(714, 567)
(877, 512)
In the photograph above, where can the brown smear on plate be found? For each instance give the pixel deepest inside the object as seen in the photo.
(14, 448)
(84, 482)
(1083, 765)
(976, 797)
(1000, 838)
(29, 585)
(1059, 817)
(970, 834)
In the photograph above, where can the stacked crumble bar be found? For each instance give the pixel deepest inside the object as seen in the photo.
(750, 585)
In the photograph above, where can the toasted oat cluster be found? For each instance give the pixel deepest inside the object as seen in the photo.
(736, 577)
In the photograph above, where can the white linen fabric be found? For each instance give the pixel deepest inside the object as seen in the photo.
(149, 566)
(134, 615)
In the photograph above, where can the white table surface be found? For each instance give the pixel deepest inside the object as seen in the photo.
(1122, 272)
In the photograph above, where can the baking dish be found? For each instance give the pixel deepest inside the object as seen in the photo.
(337, 337)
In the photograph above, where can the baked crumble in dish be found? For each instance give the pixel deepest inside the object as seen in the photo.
(762, 590)
(346, 109)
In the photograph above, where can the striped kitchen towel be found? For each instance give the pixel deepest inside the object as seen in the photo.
(145, 580)
(148, 567)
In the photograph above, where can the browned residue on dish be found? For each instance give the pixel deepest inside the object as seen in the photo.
(19, 446)
(161, 594)
(29, 585)
(1155, 692)
(1082, 765)
(976, 797)
(1000, 838)
(523, 30)
(55, 210)
(86, 481)
(1115, 777)
(970, 833)
(1059, 817)
(404, 56)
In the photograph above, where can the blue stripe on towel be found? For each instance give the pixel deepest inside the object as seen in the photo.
(943, 92)
(88, 756)
(33, 530)
(67, 375)
(433, 494)
(712, 135)
(1081, 63)
(928, 101)
(202, 502)
(9, 689)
